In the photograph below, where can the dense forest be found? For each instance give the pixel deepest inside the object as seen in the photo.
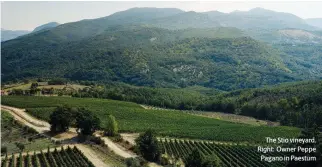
(171, 48)
(146, 56)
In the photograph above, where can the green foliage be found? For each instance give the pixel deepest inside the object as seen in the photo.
(4, 150)
(148, 147)
(194, 159)
(308, 133)
(133, 162)
(61, 119)
(212, 161)
(57, 81)
(16, 137)
(204, 153)
(86, 122)
(62, 158)
(41, 112)
(111, 127)
(132, 117)
(21, 146)
(148, 56)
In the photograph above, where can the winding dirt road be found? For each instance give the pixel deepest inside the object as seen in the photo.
(24, 118)
(43, 127)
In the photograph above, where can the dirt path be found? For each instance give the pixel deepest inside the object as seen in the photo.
(42, 127)
(130, 137)
(90, 154)
(119, 150)
(22, 113)
(221, 116)
(25, 121)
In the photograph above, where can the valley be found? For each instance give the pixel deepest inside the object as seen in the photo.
(152, 87)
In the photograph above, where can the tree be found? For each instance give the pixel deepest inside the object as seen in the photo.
(308, 133)
(111, 128)
(4, 149)
(61, 119)
(211, 161)
(21, 146)
(86, 121)
(194, 159)
(147, 145)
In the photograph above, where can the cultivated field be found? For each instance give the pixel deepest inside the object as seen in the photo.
(62, 158)
(133, 118)
(13, 133)
(230, 154)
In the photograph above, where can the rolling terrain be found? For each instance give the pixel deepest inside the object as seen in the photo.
(133, 118)
(210, 84)
(158, 50)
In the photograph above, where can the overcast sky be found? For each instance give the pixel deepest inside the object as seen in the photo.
(28, 15)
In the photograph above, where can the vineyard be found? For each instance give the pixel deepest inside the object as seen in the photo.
(62, 158)
(14, 134)
(230, 154)
(133, 118)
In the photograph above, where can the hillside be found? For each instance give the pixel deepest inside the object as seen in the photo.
(283, 36)
(138, 55)
(167, 47)
(259, 18)
(46, 26)
(184, 20)
(133, 118)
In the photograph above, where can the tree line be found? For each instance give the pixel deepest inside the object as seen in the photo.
(296, 104)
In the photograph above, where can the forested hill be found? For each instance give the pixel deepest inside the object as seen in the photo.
(149, 56)
(128, 47)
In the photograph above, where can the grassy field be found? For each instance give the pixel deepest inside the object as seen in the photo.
(133, 118)
(12, 132)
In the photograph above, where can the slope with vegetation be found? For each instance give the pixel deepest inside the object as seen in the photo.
(296, 104)
(16, 137)
(61, 158)
(127, 47)
(133, 118)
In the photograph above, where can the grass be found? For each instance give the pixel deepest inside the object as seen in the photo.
(133, 118)
(12, 132)
(19, 86)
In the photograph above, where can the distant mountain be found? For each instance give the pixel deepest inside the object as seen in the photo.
(10, 34)
(291, 36)
(171, 48)
(184, 20)
(90, 27)
(317, 22)
(259, 18)
(137, 15)
(46, 26)
(149, 56)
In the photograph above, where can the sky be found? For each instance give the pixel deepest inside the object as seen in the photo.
(28, 15)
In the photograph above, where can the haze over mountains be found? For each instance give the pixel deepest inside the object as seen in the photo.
(12, 34)
(317, 22)
(171, 48)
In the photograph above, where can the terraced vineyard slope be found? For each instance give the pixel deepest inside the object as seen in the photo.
(229, 154)
(63, 158)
